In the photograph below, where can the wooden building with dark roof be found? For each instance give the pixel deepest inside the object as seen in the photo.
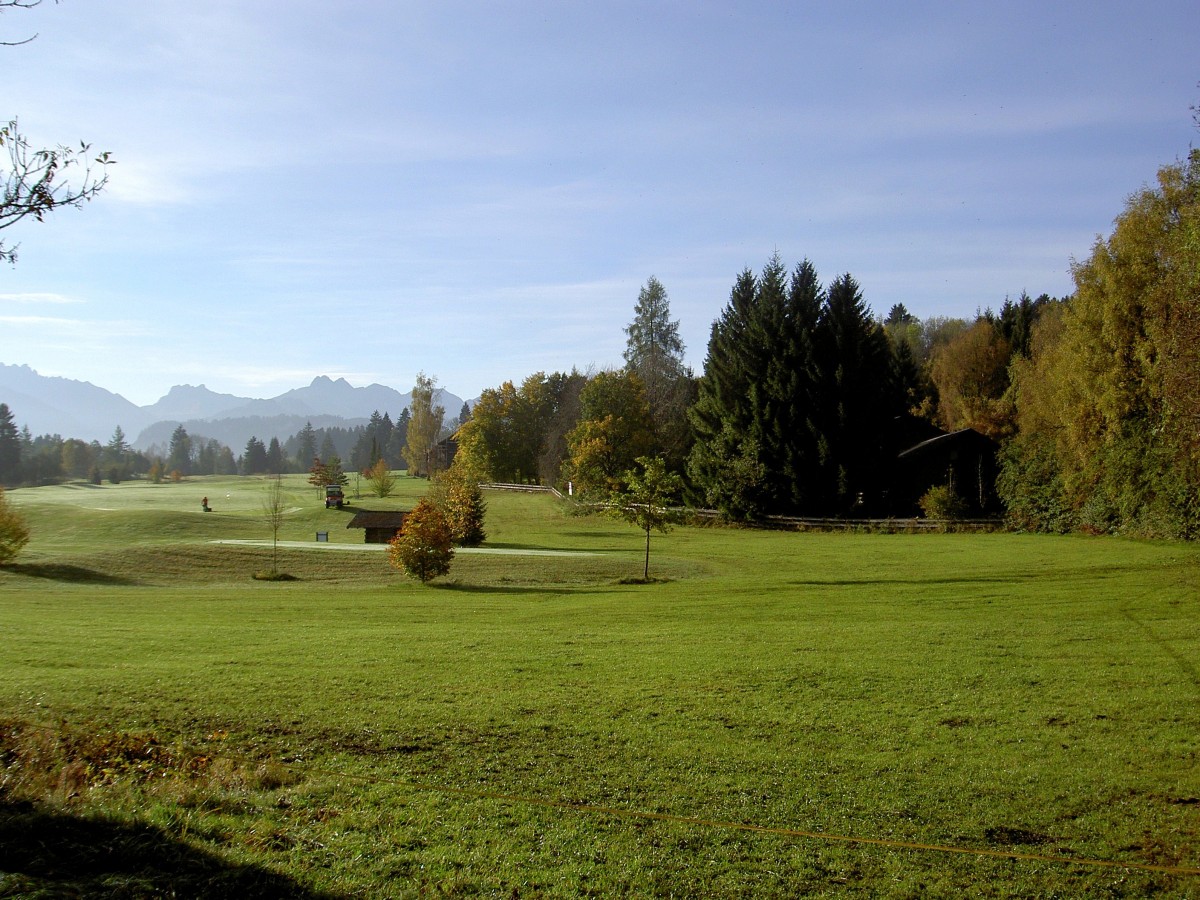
(964, 459)
(380, 527)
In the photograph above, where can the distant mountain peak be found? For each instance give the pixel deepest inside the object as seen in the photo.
(50, 405)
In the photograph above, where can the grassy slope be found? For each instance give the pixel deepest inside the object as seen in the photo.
(993, 692)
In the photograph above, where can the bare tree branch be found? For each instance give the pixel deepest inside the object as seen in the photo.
(31, 180)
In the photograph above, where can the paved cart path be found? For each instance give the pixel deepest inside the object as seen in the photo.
(327, 545)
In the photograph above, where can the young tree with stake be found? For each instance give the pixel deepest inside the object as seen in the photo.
(644, 501)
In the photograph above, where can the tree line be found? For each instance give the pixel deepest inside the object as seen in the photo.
(806, 398)
(403, 444)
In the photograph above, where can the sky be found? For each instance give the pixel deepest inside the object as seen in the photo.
(369, 189)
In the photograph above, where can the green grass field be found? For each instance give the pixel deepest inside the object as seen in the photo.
(781, 715)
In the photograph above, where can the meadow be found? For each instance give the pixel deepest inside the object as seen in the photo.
(778, 715)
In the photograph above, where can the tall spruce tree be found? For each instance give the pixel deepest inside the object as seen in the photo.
(10, 448)
(795, 375)
(797, 404)
(179, 455)
(725, 446)
(306, 446)
(862, 399)
(654, 352)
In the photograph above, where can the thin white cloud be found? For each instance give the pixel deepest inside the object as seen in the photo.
(37, 298)
(52, 330)
(149, 183)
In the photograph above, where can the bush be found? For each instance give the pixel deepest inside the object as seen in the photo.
(943, 502)
(14, 533)
(425, 546)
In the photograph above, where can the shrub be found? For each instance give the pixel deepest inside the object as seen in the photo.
(381, 479)
(425, 546)
(943, 502)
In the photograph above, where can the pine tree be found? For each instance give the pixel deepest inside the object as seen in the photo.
(797, 402)
(274, 457)
(306, 445)
(720, 417)
(654, 351)
(254, 459)
(862, 401)
(10, 448)
(179, 456)
(794, 374)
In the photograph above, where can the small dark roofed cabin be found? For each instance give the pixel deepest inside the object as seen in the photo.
(381, 527)
(965, 458)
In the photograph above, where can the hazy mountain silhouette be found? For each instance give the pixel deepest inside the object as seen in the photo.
(82, 410)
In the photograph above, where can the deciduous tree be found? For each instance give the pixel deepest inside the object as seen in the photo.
(970, 373)
(424, 548)
(274, 508)
(14, 532)
(318, 475)
(424, 427)
(646, 500)
(614, 430)
(461, 501)
(1107, 410)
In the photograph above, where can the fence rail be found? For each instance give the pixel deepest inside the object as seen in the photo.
(523, 488)
(803, 523)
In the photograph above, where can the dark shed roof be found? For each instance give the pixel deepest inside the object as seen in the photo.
(367, 519)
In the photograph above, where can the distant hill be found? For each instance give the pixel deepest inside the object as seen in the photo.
(79, 409)
(65, 407)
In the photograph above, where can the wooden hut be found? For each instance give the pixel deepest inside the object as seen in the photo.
(380, 527)
(964, 459)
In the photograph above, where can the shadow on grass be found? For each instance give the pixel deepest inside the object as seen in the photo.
(52, 854)
(553, 589)
(68, 573)
(496, 545)
(963, 579)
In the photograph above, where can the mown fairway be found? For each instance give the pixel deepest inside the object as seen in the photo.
(534, 726)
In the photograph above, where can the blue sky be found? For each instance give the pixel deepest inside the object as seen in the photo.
(372, 188)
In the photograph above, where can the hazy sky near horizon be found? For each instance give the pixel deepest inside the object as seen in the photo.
(372, 188)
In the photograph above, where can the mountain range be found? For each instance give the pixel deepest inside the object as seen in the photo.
(79, 409)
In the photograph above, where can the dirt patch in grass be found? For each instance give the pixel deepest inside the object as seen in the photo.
(1007, 836)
